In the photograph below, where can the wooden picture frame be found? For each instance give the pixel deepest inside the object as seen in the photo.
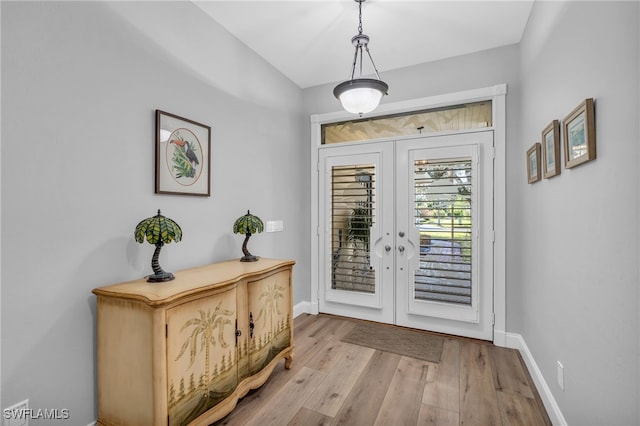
(533, 163)
(551, 150)
(183, 156)
(579, 134)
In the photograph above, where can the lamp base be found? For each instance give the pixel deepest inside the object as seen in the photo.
(160, 278)
(249, 258)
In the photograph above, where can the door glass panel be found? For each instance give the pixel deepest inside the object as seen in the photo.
(442, 205)
(446, 119)
(352, 210)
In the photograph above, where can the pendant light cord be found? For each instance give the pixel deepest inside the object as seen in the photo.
(359, 47)
(360, 17)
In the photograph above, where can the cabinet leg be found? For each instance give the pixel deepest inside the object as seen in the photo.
(288, 360)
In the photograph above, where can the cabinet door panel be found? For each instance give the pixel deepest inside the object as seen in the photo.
(201, 355)
(269, 307)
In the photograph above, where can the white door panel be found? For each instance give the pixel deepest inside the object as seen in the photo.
(355, 277)
(444, 276)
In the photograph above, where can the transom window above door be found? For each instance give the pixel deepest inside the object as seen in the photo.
(474, 115)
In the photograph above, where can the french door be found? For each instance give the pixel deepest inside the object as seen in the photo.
(406, 232)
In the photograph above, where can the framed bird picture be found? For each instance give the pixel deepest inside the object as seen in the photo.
(183, 156)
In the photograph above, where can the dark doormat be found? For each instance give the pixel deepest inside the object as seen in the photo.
(399, 341)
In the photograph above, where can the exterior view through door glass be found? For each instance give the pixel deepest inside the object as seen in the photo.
(442, 206)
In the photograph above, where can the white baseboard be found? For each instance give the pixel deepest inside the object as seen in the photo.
(305, 307)
(500, 338)
(516, 341)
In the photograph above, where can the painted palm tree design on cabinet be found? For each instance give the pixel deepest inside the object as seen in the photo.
(268, 304)
(202, 372)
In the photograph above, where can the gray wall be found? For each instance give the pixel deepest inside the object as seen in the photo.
(578, 235)
(81, 81)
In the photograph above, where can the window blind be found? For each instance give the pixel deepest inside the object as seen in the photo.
(442, 200)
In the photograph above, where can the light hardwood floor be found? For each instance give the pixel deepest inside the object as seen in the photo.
(336, 383)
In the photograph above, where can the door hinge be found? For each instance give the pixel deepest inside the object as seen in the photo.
(493, 319)
(166, 330)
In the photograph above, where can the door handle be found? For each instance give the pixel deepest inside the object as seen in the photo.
(387, 248)
(401, 249)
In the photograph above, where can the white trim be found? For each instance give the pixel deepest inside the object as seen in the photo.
(305, 307)
(499, 212)
(516, 341)
(497, 95)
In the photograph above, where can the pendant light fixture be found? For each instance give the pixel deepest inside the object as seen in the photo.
(361, 95)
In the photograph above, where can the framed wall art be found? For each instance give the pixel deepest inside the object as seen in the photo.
(183, 156)
(533, 163)
(551, 150)
(579, 132)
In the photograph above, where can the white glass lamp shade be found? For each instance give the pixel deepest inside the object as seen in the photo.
(360, 96)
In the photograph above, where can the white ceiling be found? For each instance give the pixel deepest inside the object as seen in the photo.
(310, 41)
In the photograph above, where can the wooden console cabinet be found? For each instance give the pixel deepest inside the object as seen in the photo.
(183, 352)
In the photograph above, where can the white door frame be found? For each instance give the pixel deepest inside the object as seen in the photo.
(496, 94)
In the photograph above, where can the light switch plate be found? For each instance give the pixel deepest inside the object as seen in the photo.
(274, 226)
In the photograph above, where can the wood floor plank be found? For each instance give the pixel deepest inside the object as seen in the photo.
(334, 330)
(402, 403)
(331, 394)
(362, 405)
(327, 358)
(306, 417)
(286, 403)
(300, 320)
(436, 416)
(311, 327)
(478, 399)
(517, 410)
(443, 385)
(508, 374)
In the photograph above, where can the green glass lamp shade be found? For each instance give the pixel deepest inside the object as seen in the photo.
(158, 230)
(247, 225)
